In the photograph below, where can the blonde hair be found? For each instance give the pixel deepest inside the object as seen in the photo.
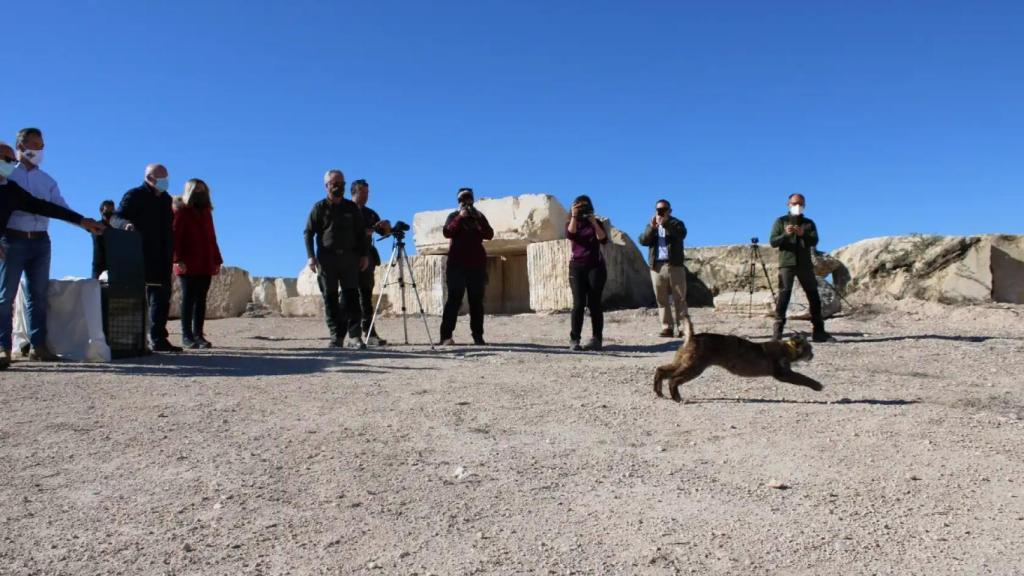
(190, 188)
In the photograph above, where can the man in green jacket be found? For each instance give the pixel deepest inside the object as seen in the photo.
(795, 236)
(664, 238)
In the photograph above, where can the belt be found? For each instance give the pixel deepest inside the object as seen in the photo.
(12, 233)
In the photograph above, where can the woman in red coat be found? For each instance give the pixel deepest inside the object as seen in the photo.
(196, 259)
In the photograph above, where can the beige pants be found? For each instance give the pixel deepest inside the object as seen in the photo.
(670, 281)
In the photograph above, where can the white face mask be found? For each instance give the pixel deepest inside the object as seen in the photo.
(33, 156)
(6, 168)
(796, 210)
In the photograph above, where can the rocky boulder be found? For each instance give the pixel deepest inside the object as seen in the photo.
(946, 269)
(230, 293)
(762, 303)
(264, 293)
(629, 280)
(518, 221)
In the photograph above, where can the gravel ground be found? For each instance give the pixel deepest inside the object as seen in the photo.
(273, 455)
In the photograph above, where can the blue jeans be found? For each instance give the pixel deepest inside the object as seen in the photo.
(31, 256)
(159, 307)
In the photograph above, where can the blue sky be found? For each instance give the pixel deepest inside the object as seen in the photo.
(892, 117)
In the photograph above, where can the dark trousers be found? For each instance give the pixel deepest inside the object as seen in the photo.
(462, 281)
(159, 298)
(366, 302)
(193, 304)
(339, 285)
(587, 287)
(805, 274)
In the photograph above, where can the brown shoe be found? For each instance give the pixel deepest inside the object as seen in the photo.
(42, 355)
(666, 333)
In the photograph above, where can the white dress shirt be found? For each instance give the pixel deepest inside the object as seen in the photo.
(42, 186)
(662, 246)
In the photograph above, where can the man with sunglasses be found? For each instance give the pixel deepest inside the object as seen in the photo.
(664, 237)
(466, 269)
(336, 245)
(13, 252)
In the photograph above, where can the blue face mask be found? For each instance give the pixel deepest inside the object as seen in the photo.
(6, 168)
(162, 183)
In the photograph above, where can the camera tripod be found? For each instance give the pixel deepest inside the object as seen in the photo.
(400, 260)
(755, 258)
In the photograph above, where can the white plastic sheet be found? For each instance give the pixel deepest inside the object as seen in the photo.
(74, 321)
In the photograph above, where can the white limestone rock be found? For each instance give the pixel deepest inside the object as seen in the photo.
(518, 221)
(230, 293)
(946, 269)
(264, 293)
(302, 307)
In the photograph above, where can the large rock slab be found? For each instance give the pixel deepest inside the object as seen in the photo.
(230, 293)
(629, 281)
(302, 307)
(762, 302)
(264, 293)
(727, 268)
(428, 273)
(946, 269)
(518, 221)
(306, 283)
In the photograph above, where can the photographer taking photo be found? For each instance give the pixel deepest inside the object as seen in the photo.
(373, 223)
(664, 238)
(466, 271)
(587, 272)
(795, 235)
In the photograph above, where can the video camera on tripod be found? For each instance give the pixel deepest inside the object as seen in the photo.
(399, 230)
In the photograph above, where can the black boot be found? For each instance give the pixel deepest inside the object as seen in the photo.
(777, 329)
(820, 335)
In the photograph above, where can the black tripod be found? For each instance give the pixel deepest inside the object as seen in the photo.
(755, 259)
(401, 260)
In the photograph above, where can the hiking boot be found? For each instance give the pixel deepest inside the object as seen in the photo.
(479, 341)
(374, 340)
(336, 343)
(822, 336)
(43, 355)
(164, 345)
(666, 333)
(574, 345)
(594, 345)
(189, 343)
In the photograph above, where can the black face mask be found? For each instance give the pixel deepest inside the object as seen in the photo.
(337, 192)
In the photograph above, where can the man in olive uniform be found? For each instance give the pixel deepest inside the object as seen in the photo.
(795, 236)
(336, 247)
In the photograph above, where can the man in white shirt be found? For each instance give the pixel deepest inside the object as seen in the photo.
(28, 242)
(664, 238)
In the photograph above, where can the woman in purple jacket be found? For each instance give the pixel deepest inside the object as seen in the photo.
(587, 271)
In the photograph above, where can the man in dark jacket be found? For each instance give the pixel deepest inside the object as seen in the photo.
(795, 236)
(15, 198)
(373, 223)
(99, 247)
(466, 270)
(147, 210)
(336, 243)
(664, 238)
